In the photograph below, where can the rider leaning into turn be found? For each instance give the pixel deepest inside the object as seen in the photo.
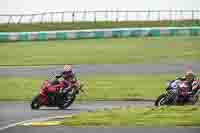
(192, 81)
(68, 75)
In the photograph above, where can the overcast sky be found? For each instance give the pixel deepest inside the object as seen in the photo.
(34, 6)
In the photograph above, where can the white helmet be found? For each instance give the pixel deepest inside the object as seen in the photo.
(67, 68)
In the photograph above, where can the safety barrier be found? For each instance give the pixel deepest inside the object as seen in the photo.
(99, 33)
(101, 15)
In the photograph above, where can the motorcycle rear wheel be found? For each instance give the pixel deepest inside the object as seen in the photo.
(35, 104)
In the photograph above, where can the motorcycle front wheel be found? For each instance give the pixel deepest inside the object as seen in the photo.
(67, 101)
(161, 100)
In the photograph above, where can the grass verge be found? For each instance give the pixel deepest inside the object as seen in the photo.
(184, 116)
(102, 51)
(97, 87)
(92, 25)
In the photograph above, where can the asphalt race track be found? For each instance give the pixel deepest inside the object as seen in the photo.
(16, 112)
(99, 69)
(62, 129)
(13, 113)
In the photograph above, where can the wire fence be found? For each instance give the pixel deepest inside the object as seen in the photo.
(94, 16)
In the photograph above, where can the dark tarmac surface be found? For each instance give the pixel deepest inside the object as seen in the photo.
(62, 129)
(24, 71)
(15, 112)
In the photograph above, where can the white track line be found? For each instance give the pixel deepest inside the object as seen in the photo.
(11, 125)
(28, 122)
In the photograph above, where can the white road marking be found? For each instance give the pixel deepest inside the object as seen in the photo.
(29, 122)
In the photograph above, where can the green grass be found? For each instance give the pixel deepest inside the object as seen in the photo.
(102, 51)
(138, 117)
(97, 87)
(92, 25)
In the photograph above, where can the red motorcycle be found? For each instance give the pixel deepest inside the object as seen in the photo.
(63, 98)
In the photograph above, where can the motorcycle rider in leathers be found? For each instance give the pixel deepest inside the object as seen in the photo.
(68, 76)
(193, 83)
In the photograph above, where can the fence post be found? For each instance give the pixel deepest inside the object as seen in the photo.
(148, 15)
(194, 23)
(117, 16)
(52, 15)
(106, 16)
(63, 15)
(136, 15)
(181, 14)
(175, 14)
(159, 15)
(19, 21)
(84, 15)
(127, 15)
(192, 15)
(197, 16)
(42, 18)
(95, 17)
(10, 18)
(170, 15)
(73, 15)
(32, 17)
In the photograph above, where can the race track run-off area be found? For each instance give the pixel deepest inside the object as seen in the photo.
(99, 63)
(15, 114)
(18, 113)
